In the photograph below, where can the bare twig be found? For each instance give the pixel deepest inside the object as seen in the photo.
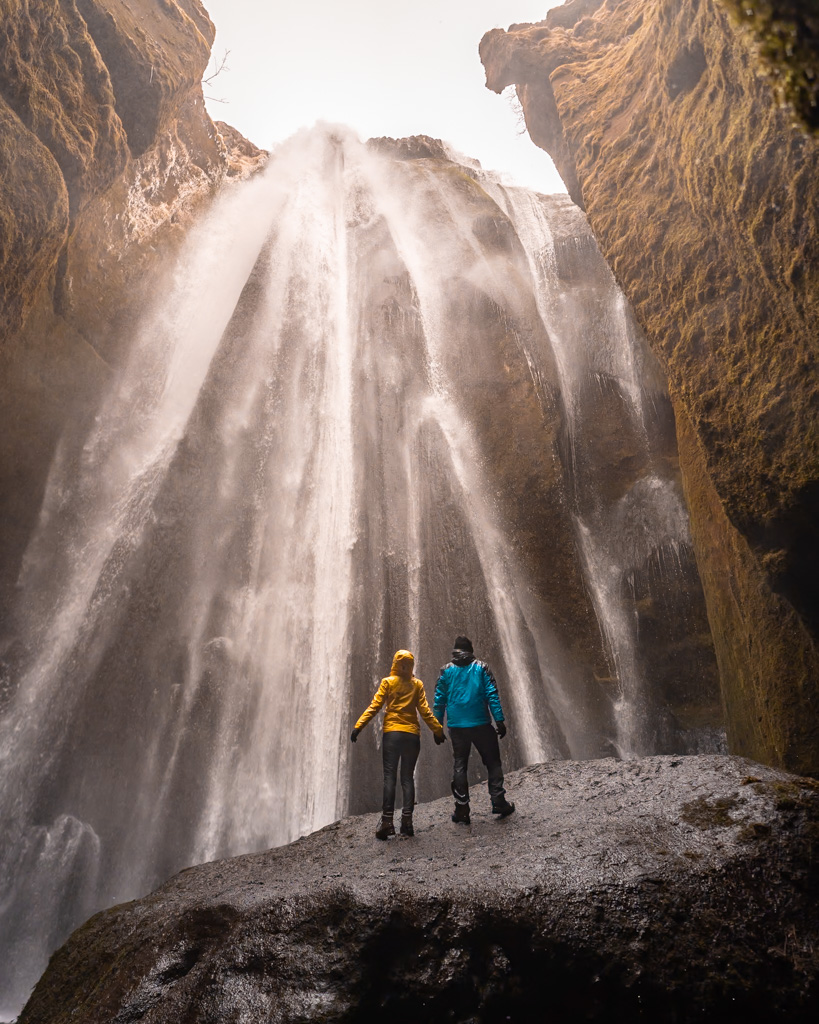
(218, 68)
(511, 96)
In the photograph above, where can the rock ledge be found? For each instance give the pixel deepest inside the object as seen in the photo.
(673, 888)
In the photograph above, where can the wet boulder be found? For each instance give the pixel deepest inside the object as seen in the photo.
(667, 888)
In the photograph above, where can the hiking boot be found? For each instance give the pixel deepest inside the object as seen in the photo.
(386, 828)
(502, 807)
(461, 815)
(406, 825)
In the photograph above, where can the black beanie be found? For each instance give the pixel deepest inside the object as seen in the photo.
(463, 643)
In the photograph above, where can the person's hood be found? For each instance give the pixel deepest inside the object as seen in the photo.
(462, 657)
(402, 661)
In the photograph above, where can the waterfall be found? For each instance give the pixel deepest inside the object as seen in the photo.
(377, 405)
(617, 534)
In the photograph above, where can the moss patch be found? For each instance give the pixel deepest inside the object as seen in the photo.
(787, 34)
(706, 814)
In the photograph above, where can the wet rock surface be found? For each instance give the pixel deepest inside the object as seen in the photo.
(671, 888)
(700, 189)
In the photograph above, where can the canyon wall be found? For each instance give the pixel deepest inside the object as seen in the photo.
(701, 189)
(105, 151)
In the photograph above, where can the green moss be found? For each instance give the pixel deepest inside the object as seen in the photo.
(753, 832)
(705, 814)
(787, 33)
(793, 796)
(458, 174)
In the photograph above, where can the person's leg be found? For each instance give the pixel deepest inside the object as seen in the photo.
(410, 749)
(390, 753)
(461, 746)
(486, 742)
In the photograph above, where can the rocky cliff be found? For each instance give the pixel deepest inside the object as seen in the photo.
(105, 151)
(702, 193)
(664, 889)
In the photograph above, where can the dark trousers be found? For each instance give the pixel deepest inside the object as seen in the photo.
(404, 747)
(486, 743)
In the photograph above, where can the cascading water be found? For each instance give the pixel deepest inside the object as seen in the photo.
(359, 419)
(641, 519)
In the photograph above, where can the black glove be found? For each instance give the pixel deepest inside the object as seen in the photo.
(354, 735)
(501, 727)
(439, 737)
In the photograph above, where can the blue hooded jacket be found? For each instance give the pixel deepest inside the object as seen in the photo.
(466, 692)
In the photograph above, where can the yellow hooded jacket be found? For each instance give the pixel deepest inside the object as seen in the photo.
(402, 696)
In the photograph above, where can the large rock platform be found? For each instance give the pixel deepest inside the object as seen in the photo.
(670, 888)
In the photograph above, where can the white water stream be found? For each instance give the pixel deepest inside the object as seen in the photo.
(615, 537)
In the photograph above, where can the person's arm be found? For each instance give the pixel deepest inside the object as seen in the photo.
(377, 701)
(439, 702)
(491, 695)
(425, 711)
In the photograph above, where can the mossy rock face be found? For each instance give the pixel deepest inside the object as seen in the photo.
(106, 152)
(154, 53)
(668, 888)
(787, 34)
(52, 76)
(704, 197)
(33, 216)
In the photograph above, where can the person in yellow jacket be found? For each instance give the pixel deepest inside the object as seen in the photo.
(402, 697)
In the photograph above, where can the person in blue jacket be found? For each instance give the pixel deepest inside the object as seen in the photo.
(467, 694)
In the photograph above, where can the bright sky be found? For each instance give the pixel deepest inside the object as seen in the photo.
(383, 67)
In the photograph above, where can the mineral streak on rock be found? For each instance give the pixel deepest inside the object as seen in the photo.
(702, 194)
(105, 152)
(668, 888)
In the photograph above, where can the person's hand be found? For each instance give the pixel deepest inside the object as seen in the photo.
(354, 735)
(501, 727)
(439, 737)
